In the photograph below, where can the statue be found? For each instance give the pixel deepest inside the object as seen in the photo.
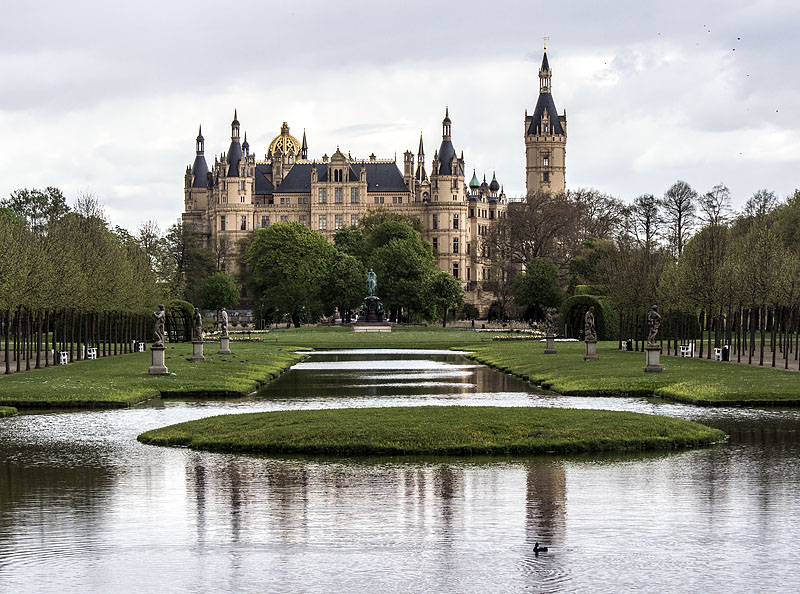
(198, 324)
(653, 323)
(158, 327)
(589, 329)
(548, 322)
(224, 316)
(372, 282)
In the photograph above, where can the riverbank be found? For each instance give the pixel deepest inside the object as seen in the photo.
(434, 430)
(7, 411)
(620, 373)
(120, 381)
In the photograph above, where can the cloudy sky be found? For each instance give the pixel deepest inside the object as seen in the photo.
(106, 97)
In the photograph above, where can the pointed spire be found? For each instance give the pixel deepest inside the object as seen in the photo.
(245, 144)
(474, 183)
(446, 124)
(200, 141)
(235, 126)
(545, 75)
(421, 151)
(304, 147)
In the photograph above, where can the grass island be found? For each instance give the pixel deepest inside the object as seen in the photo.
(434, 430)
(7, 411)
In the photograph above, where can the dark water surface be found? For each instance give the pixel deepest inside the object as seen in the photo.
(86, 508)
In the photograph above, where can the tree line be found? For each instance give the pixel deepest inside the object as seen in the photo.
(67, 281)
(714, 271)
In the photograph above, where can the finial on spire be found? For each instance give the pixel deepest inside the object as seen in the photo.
(546, 39)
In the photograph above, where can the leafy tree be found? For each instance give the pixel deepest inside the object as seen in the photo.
(678, 204)
(537, 287)
(38, 207)
(350, 240)
(443, 294)
(345, 284)
(186, 263)
(382, 215)
(218, 291)
(402, 266)
(288, 265)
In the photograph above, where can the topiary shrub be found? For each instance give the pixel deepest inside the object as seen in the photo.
(606, 318)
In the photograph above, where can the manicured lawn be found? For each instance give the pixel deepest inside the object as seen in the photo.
(7, 411)
(618, 373)
(123, 380)
(439, 430)
(411, 337)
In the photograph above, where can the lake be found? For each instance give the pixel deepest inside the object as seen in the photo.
(84, 507)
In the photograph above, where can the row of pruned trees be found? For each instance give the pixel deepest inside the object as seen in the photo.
(67, 280)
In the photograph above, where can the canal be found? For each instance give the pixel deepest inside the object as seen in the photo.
(84, 507)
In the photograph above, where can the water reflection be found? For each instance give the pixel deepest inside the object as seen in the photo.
(85, 508)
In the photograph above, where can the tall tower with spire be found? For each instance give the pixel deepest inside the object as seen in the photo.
(545, 139)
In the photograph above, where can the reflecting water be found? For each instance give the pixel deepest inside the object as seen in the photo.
(86, 508)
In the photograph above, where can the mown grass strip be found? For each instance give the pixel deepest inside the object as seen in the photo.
(620, 373)
(123, 380)
(434, 430)
(401, 337)
(7, 411)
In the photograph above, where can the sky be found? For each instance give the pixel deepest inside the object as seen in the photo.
(106, 97)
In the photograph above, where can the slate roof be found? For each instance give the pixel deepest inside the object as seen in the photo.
(200, 172)
(545, 103)
(446, 154)
(381, 177)
(234, 157)
(545, 63)
(263, 185)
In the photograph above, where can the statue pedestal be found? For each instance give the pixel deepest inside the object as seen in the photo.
(591, 351)
(550, 344)
(158, 367)
(653, 359)
(224, 346)
(197, 351)
(374, 310)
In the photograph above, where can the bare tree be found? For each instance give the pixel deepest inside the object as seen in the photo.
(599, 215)
(760, 204)
(679, 215)
(645, 221)
(716, 205)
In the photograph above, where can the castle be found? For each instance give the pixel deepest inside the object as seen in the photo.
(241, 193)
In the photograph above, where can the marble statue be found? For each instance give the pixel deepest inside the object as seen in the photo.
(224, 316)
(158, 327)
(653, 323)
(198, 324)
(548, 322)
(589, 329)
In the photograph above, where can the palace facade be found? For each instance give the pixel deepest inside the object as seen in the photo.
(241, 193)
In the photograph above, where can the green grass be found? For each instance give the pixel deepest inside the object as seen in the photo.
(7, 411)
(123, 380)
(401, 337)
(619, 373)
(434, 430)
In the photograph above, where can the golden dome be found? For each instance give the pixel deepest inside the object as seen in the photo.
(285, 142)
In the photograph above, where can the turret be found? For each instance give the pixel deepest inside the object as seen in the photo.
(234, 155)
(200, 167)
